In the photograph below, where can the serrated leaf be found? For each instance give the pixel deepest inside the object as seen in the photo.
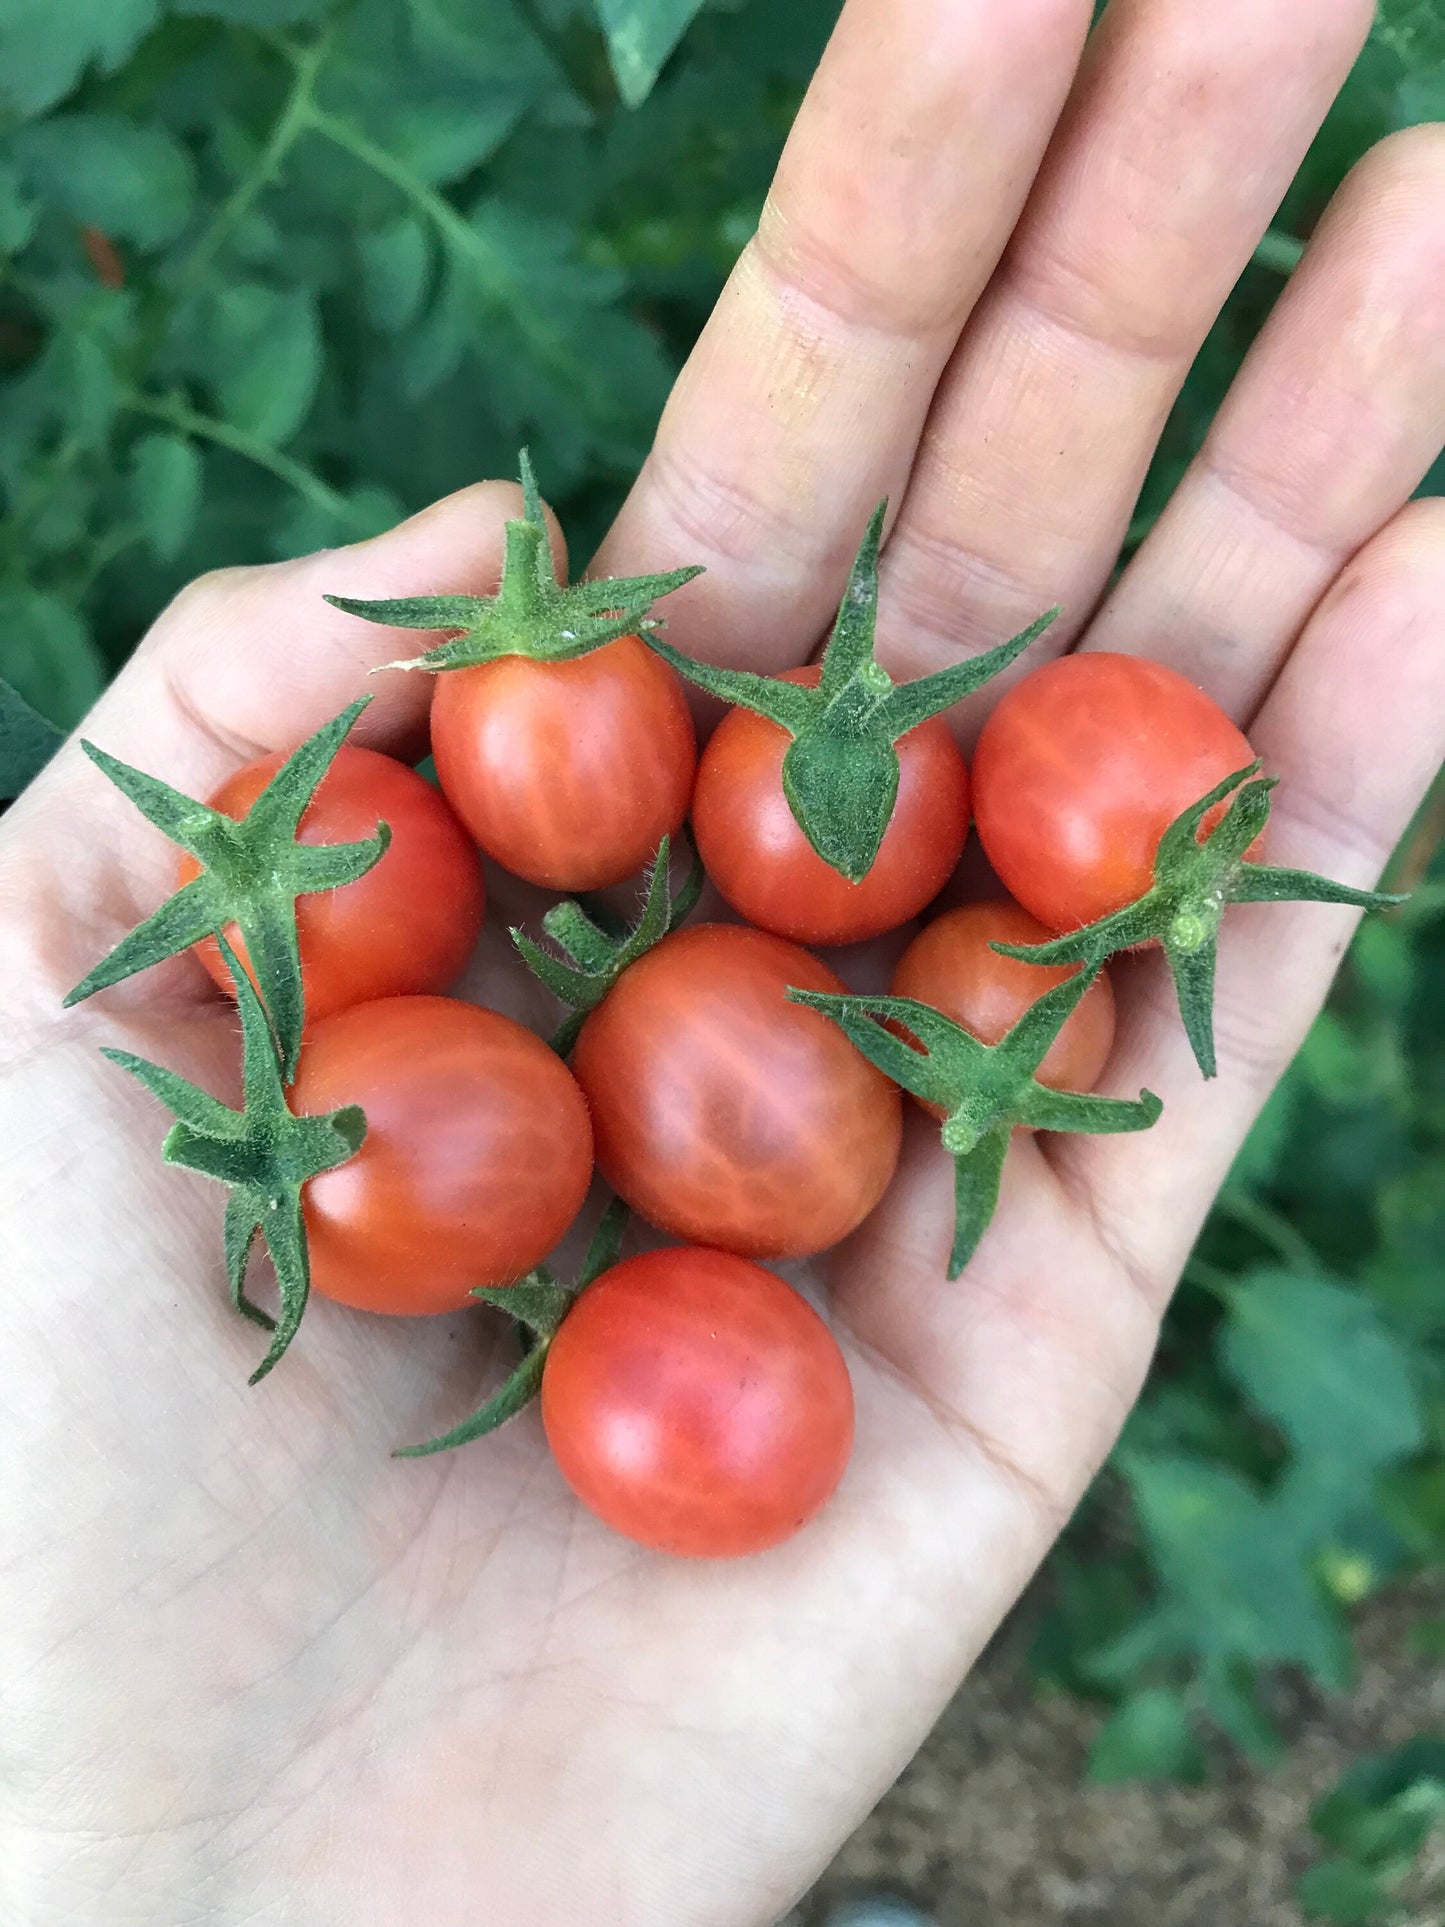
(264, 353)
(48, 654)
(396, 264)
(1318, 1360)
(46, 47)
(165, 490)
(640, 35)
(1235, 1578)
(1148, 1737)
(132, 180)
(27, 742)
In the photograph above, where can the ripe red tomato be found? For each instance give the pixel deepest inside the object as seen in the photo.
(725, 1114)
(697, 1404)
(1080, 770)
(409, 924)
(477, 1155)
(949, 965)
(569, 774)
(765, 867)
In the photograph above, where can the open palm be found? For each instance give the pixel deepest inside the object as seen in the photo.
(257, 1671)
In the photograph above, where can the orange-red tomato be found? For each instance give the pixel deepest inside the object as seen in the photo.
(477, 1155)
(768, 871)
(949, 965)
(725, 1114)
(409, 924)
(568, 774)
(697, 1404)
(1080, 770)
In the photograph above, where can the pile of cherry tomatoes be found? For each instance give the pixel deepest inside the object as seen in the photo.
(406, 1152)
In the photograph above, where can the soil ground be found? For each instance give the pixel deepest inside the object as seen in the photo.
(991, 1825)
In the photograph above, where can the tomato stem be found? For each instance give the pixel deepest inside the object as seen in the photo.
(1196, 875)
(539, 1305)
(840, 771)
(531, 614)
(986, 1091)
(263, 1152)
(252, 872)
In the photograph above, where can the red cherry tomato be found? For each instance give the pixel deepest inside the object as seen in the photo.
(409, 924)
(1080, 770)
(568, 774)
(725, 1114)
(950, 965)
(697, 1404)
(765, 867)
(477, 1154)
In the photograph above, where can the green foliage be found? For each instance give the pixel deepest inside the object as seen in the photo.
(275, 272)
(1377, 1820)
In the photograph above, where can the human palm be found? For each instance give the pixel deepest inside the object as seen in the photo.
(255, 1669)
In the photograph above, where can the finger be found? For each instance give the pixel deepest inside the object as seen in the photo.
(1185, 129)
(242, 663)
(1335, 417)
(802, 402)
(1355, 729)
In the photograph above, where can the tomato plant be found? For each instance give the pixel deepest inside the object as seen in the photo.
(477, 1154)
(697, 1404)
(760, 859)
(409, 924)
(567, 773)
(723, 1113)
(952, 966)
(1079, 771)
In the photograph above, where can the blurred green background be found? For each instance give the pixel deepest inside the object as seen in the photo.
(275, 272)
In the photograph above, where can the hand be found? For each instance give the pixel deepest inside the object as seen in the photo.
(255, 1670)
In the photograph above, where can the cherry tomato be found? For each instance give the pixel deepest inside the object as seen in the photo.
(409, 924)
(950, 965)
(697, 1404)
(477, 1154)
(569, 774)
(1080, 770)
(725, 1114)
(765, 867)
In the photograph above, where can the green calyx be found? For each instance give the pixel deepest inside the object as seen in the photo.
(263, 1152)
(1194, 880)
(840, 772)
(593, 958)
(539, 1305)
(531, 614)
(986, 1090)
(252, 872)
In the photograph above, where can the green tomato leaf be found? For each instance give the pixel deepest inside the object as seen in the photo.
(1149, 1737)
(27, 742)
(265, 351)
(396, 264)
(17, 211)
(1339, 1890)
(133, 181)
(45, 47)
(1318, 1360)
(254, 13)
(165, 490)
(49, 654)
(640, 36)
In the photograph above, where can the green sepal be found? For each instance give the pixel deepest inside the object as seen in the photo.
(252, 872)
(1194, 880)
(539, 1305)
(987, 1090)
(592, 959)
(531, 614)
(264, 1153)
(840, 772)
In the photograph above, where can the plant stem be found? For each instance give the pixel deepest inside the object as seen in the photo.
(545, 341)
(1288, 1245)
(293, 120)
(207, 428)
